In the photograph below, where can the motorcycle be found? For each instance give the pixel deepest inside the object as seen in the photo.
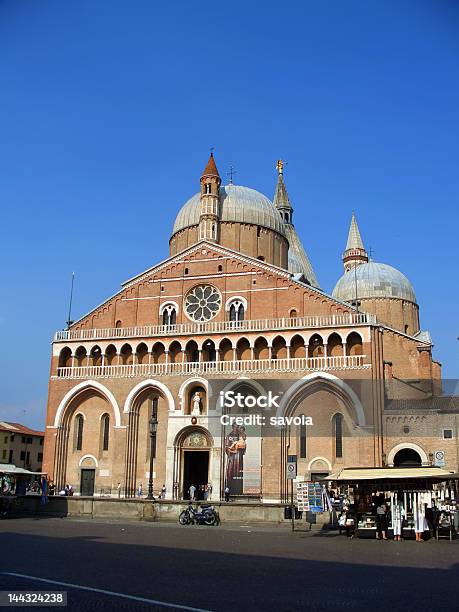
(206, 515)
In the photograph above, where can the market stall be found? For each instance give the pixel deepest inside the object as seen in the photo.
(400, 502)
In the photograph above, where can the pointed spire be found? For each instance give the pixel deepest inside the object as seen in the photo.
(211, 168)
(354, 239)
(281, 199)
(355, 253)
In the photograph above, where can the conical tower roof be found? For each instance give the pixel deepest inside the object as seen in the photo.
(354, 239)
(281, 199)
(211, 168)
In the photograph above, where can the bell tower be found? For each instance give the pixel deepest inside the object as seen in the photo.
(355, 253)
(209, 218)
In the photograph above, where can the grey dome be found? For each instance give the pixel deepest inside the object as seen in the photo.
(374, 280)
(239, 204)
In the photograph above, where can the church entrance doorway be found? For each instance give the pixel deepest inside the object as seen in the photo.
(195, 471)
(87, 482)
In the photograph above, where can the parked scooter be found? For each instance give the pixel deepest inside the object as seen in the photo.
(206, 515)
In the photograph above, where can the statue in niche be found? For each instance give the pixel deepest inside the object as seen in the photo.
(196, 404)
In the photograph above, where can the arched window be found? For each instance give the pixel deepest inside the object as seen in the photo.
(338, 434)
(105, 430)
(169, 315)
(154, 412)
(236, 311)
(79, 422)
(303, 447)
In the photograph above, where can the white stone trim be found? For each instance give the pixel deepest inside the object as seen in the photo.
(235, 298)
(144, 385)
(326, 376)
(407, 445)
(87, 384)
(164, 305)
(88, 457)
(186, 384)
(320, 459)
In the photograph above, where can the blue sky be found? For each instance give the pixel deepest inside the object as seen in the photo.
(108, 110)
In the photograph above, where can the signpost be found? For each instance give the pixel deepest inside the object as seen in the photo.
(439, 458)
(291, 475)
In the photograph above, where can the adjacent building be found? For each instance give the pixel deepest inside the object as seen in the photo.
(21, 446)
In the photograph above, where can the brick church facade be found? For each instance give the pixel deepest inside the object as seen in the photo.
(237, 305)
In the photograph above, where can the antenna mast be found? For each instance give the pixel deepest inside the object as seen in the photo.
(69, 318)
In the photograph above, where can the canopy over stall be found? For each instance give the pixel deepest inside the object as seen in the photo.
(353, 475)
(9, 468)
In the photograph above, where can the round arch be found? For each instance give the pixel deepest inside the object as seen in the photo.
(245, 380)
(309, 383)
(166, 304)
(189, 429)
(407, 446)
(145, 384)
(80, 388)
(311, 463)
(235, 298)
(96, 463)
(184, 386)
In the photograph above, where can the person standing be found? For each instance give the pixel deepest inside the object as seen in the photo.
(381, 518)
(398, 514)
(163, 492)
(192, 492)
(140, 490)
(227, 493)
(118, 488)
(209, 491)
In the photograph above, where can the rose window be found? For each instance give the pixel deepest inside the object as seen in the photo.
(202, 303)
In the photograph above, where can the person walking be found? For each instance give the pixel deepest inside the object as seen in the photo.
(227, 493)
(118, 488)
(140, 490)
(192, 492)
(163, 492)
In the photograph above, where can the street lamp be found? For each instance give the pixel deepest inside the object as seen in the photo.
(153, 428)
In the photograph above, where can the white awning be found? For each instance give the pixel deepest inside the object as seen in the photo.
(355, 474)
(9, 468)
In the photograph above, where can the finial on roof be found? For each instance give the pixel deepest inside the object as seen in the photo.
(280, 166)
(231, 174)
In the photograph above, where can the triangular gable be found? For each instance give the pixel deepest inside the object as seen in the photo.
(224, 251)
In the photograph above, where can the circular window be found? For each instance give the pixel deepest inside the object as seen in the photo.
(202, 303)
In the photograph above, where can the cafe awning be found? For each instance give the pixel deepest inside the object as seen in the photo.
(9, 468)
(369, 474)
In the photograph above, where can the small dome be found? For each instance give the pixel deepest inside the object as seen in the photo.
(374, 280)
(239, 204)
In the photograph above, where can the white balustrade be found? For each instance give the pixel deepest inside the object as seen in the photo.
(183, 329)
(294, 364)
